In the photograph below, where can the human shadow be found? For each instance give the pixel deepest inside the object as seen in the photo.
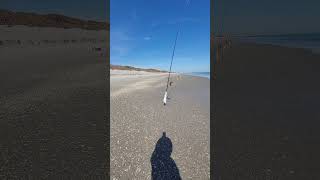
(163, 166)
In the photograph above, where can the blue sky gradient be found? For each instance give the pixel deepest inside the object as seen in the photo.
(143, 32)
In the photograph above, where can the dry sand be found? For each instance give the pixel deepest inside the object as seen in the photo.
(267, 114)
(53, 107)
(24, 33)
(138, 119)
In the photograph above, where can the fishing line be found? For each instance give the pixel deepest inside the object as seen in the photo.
(187, 2)
(174, 48)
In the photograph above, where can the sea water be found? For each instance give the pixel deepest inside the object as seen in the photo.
(308, 41)
(199, 74)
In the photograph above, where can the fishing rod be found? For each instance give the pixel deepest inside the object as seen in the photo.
(166, 93)
(172, 56)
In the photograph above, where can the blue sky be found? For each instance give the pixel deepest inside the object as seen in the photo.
(143, 31)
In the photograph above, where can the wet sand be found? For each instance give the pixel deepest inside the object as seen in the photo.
(267, 114)
(138, 119)
(53, 110)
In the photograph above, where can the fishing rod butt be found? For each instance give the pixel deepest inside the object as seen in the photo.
(165, 98)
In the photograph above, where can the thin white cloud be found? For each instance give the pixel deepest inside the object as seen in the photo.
(120, 50)
(156, 24)
(120, 42)
(119, 35)
(184, 20)
(147, 38)
(187, 2)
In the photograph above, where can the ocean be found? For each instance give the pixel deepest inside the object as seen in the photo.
(199, 74)
(308, 41)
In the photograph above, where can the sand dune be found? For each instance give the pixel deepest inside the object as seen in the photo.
(11, 18)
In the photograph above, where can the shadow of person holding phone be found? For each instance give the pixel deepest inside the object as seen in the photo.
(163, 166)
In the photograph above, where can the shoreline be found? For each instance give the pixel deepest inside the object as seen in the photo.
(116, 72)
(313, 49)
(197, 75)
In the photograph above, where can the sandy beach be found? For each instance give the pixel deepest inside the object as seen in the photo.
(267, 113)
(139, 118)
(53, 104)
